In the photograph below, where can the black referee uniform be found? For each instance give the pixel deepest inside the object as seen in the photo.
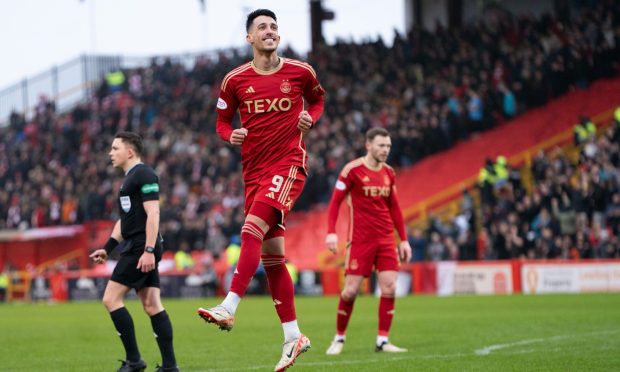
(141, 184)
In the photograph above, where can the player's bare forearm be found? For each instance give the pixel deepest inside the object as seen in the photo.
(116, 232)
(152, 221)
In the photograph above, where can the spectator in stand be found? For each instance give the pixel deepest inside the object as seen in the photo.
(418, 245)
(584, 130)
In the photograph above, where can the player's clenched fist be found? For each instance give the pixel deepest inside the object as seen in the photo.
(305, 122)
(331, 241)
(238, 136)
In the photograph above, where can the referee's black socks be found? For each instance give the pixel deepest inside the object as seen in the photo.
(163, 334)
(124, 326)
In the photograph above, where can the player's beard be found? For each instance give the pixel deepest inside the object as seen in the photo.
(379, 158)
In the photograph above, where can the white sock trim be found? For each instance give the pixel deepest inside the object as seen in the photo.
(231, 302)
(381, 340)
(340, 338)
(291, 330)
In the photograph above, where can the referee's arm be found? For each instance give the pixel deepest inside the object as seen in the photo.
(116, 232)
(151, 207)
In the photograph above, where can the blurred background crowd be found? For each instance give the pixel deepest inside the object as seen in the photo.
(429, 89)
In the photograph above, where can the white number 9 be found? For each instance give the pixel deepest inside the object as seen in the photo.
(277, 183)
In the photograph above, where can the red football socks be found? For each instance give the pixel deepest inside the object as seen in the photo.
(251, 240)
(281, 286)
(386, 313)
(345, 309)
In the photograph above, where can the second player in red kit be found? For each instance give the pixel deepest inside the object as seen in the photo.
(369, 184)
(269, 94)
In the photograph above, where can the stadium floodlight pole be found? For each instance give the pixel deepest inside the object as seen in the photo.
(317, 15)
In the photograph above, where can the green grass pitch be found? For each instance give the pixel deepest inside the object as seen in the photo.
(461, 333)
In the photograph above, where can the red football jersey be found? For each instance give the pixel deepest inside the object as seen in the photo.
(371, 195)
(269, 104)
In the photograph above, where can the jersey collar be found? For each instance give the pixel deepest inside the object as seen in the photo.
(132, 167)
(263, 72)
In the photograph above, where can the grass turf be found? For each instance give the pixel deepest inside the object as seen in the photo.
(499, 333)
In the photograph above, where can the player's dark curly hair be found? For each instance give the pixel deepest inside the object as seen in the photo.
(132, 139)
(258, 13)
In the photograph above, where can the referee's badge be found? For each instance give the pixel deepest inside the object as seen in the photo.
(125, 203)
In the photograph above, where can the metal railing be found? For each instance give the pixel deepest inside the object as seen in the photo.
(65, 85)
(73, 81)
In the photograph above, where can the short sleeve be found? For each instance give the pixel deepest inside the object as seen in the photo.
(148, 184)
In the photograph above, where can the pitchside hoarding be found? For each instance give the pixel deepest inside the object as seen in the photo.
(469, 278)
(570, 277)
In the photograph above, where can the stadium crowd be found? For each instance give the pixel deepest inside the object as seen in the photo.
(572, 211)
(430, 89)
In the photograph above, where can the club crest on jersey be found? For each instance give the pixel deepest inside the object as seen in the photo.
(285, 87)
(125, 203)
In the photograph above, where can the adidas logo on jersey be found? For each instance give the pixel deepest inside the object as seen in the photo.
(270, 195)
(250, 90)
(366, 179)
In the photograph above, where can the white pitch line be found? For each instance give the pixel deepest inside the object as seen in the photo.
(489, 349)
(351, 362)
(480, 352)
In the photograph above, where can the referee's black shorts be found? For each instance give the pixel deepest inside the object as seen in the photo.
(126, 272)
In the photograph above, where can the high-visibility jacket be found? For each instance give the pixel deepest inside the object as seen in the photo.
(4, 280)
(501, 171)
(486, 176)
(115, 78)
(585, 131)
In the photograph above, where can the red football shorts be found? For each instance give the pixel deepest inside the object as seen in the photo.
(361, 258)
(279, 187)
